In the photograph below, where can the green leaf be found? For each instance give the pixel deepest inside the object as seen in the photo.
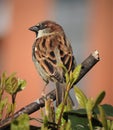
(79, 120)
(45, 121)
(3, 104)
(11, 84)
(21, 84)
(67, 78)
(81, 98)
(108, 109)
(67, 126)
(21, 123)
(71, 77)
(103, 117)
(2, 80)
(14, 85)
(2, 84)
(78, 112)
(76, 74)
(9, 109)
(49, 110)
(66, 72)
(91, 104)
(110, 125)
(8, 79)
(89, 109)
(99, 98)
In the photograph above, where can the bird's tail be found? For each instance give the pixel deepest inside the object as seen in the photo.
(60, 93)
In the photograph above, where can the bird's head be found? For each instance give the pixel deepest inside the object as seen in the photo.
(45, 28)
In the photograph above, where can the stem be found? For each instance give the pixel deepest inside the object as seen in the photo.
(90, 124)
(63, 106)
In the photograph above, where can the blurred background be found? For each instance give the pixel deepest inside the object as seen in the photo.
(88, 25)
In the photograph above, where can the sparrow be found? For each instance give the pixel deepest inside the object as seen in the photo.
(50, 49)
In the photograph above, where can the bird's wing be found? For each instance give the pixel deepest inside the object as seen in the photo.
(50, 51)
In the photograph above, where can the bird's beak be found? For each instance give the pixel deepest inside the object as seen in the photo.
(34, 28)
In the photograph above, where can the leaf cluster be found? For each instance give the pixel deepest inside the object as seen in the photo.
(90, 114)
(9, 87)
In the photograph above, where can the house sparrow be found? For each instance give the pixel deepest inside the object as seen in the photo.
(50, 49)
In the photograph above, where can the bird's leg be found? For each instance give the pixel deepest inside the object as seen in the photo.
(43, 90)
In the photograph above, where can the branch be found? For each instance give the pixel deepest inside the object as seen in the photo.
(34, 106)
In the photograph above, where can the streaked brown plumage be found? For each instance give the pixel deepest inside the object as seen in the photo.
(50, 49)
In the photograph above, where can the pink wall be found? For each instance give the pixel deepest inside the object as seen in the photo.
(100, 38)
(17, 46)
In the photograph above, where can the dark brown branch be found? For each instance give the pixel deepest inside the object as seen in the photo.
(34, 106)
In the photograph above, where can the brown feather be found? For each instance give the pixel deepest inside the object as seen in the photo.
(46, 55)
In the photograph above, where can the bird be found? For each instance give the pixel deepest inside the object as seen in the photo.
(51, 48)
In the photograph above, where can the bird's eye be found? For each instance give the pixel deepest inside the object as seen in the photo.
(41, 26)
(45, 25)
